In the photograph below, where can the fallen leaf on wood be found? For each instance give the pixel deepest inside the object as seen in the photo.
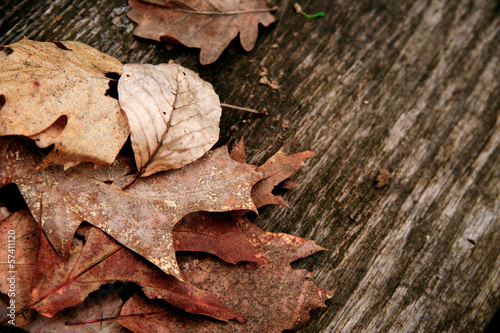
(174, 118)
(173, 115)
(142, 217)
(219, 233)
(97, 259)
(273, 296)
(277, 169)
(207, 25)
(275, 172)
(58, 93)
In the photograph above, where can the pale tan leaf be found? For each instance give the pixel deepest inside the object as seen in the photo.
(59, 93)
(173, 115)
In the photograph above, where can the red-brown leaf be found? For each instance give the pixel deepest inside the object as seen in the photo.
(218, 234)
(273, 297)
(277, 169)
(97, 259)
(207, 25)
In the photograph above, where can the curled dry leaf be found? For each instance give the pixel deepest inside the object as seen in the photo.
(173, 115)
(141, 218)
(207, 25)
(276, 170)
(272, 296)
(59, 93)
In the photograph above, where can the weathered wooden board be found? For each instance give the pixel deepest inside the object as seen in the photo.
(412, 87)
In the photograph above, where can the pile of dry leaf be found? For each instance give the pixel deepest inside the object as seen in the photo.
(167, 222)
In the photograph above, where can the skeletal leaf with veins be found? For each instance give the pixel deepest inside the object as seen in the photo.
(173, 115)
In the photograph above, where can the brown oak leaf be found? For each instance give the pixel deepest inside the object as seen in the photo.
(273, 297)
(140, 218)
(207, 25)
(275, 173)
(97, 259)
(276, 170)
(219, 233)
(173, 115)
(56, 93)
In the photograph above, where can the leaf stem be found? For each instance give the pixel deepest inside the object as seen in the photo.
(136, 177)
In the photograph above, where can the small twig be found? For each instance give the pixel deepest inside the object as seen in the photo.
(242, 108)
(298, 9)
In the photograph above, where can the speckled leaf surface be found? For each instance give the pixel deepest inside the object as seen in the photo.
(220, 233)
(140, 218)
(273, 297)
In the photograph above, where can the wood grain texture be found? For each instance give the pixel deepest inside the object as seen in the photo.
(411, 87)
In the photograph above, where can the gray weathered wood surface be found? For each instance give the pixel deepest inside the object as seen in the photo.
(408, 86)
